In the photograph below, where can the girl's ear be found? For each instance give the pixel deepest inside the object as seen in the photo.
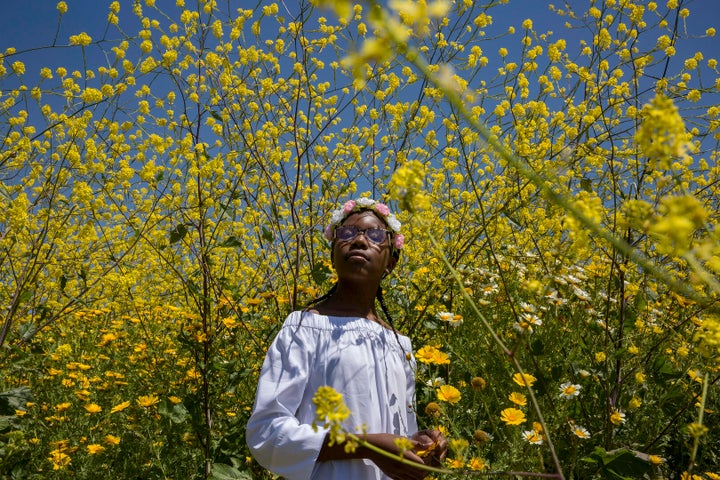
(392, 261)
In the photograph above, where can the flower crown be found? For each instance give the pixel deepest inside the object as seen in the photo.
(353, 206)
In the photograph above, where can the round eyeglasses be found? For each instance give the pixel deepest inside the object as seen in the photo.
(345, 233)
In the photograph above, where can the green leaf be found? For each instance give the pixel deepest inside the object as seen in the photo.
(231, 241)
(320, 273)
(220, 471)
(620, 464)
(586, 184)
(537, 347)
(176, 413)
(13, 399)
(178, 233)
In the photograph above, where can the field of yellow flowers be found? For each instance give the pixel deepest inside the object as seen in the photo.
(163, 198)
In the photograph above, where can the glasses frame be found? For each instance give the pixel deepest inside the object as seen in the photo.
(358, 231)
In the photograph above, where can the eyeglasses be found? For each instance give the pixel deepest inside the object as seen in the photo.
(345, 233)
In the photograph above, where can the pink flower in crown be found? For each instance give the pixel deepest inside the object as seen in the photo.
(399, 241)
(382, 209)
(329, 233)
(348, 207)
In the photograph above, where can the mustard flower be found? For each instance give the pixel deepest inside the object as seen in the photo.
(661, 136)
(696, 430)
(18, 67)
(330, 409)
(82, 39)
(329, 405)
(406, 186)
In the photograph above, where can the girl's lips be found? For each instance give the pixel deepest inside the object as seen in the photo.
(356, 255)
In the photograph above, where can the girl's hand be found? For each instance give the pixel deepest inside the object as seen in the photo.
(431, 446)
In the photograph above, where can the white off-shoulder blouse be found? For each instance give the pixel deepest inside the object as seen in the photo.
(359, 358)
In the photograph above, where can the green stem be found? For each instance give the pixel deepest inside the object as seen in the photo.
(701, 414)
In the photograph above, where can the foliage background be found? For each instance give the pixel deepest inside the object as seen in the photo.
(165, 183)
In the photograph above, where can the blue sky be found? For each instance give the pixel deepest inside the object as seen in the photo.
(29, 24)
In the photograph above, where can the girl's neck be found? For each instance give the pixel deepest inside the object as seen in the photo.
(350, 302)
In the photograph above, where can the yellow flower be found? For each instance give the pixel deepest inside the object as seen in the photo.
(477, 464)
(617, 417)
(59, 459)
(524, 379)
(61, 7)
(82, 39)
(518, 398)
(513, 416)
(61, 407)
(95, 448)
(120, 407)
(661, 136)
(656, 460)
(18, 67)
(696, 430)
(600, 357)
(112, 440)
(93, 408)
(448, 393)
(431, 355)
(406, 186)
(147, 401)
(330, 409)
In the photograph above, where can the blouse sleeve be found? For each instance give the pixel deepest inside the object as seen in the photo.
(277, 440)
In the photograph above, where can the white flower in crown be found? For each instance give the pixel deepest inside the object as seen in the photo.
(365, 202)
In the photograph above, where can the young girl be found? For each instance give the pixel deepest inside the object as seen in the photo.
(343, 343)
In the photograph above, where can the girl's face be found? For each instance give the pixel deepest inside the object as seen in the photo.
(360, 258)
